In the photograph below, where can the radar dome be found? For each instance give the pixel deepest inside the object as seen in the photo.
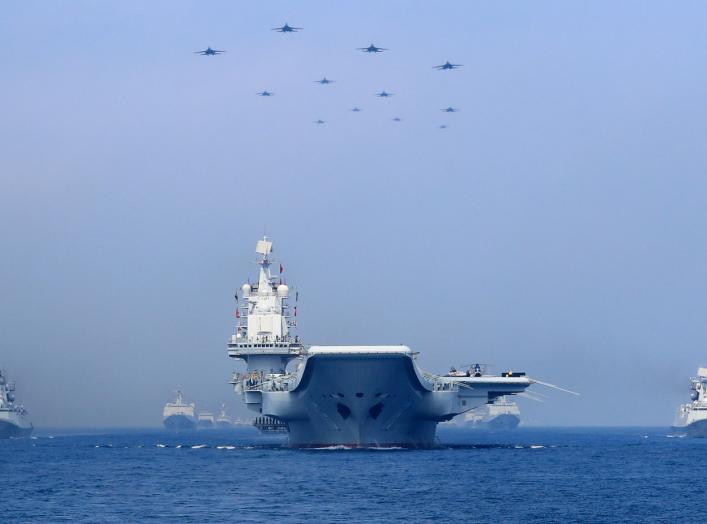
(283, 291)
(246, 289)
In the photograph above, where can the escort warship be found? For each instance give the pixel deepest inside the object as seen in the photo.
(179, 415)
(501, 415)
(223, 421)
(691, 419)
(358, 396)
(13, 418)
(206, 420)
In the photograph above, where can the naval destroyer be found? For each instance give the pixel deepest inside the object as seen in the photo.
(355, 396)
(179, 415)
(691, 419)
(223, 421)
(500, 415)
(206, 420)
(13, 417)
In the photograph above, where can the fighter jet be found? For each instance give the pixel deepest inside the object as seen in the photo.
(286, 29)
(443, 126)
(324, 81)
(372, 49)
(447, 65)
(209, 52)
(397, 119)
(320, 121)
(383, 94)
(449, 109)
(265, 92)
(356, 109)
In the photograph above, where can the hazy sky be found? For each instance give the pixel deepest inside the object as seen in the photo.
(558, 226)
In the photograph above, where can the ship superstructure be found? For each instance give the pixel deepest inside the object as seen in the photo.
(691, 419)
(179, 415)
(500, 415)
(348, 395)
(14, 421)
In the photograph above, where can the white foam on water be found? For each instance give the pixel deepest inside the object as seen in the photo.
(225, 447)
(179, 446)
(199, 446)
(161, 446)
(333, 448)
(676, 436)
(518, 447)
(391, 448)
(536, 446)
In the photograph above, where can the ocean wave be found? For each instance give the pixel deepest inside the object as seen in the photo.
(200, 446)
(225, 447)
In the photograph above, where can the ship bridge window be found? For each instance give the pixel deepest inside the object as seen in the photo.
(343, 410)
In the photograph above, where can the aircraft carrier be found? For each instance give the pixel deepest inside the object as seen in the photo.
(691, 419)
(13, 418)
(358, 396)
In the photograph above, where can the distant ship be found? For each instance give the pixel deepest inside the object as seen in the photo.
(501, 415)
(206, 420)
(13, 418)
(178, 415)
(356, 396)
(223, 421)
(691, 419)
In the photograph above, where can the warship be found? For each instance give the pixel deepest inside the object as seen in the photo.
(223, 421)
(13, 418)
(358, 396)
(206, 420)
(501, 415)
(179, 415)
(691, 419)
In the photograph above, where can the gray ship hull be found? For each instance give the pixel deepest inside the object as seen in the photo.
(696, 429)
(501, 423)
(10, 430)
(179, 423)
(363, 401)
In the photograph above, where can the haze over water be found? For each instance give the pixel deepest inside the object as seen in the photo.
(558, 226)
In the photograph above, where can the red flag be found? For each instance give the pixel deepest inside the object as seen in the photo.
(282, 268)
(238, 313)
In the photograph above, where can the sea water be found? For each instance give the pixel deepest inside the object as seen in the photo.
(526, 475)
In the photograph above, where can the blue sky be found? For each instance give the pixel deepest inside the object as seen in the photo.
(557, 226)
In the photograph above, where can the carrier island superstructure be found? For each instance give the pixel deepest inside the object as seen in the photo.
(691, 419)
(342, 395)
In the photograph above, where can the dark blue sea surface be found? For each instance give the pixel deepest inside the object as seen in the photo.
(527, 475)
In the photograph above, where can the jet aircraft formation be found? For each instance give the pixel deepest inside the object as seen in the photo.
(325, 81)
